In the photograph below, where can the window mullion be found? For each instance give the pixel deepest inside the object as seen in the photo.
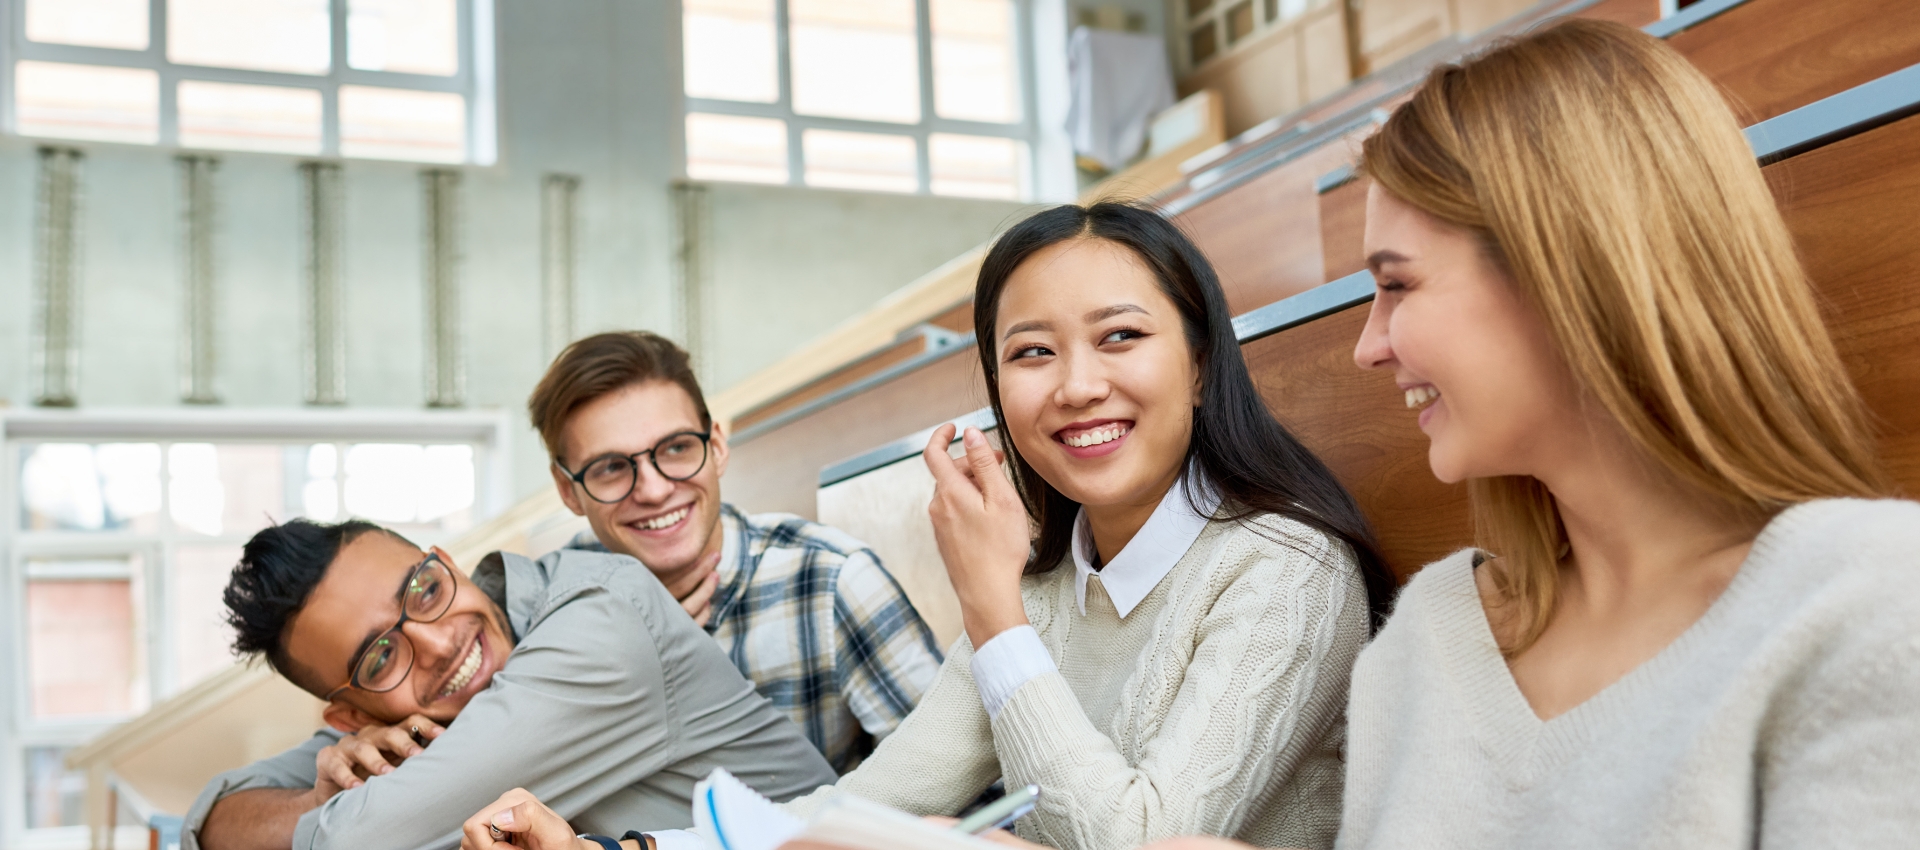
(783, 64)
(330, 94)
(923, 15)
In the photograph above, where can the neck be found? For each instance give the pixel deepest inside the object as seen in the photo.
(1633, 528)
(715, 541)
(1114, 525)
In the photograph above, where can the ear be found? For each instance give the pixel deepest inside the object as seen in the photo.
(446, 559)
(717, 446)
(346, 718)
(565, 485)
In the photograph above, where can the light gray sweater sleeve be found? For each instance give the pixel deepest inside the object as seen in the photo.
(291, 770)
(581, 710)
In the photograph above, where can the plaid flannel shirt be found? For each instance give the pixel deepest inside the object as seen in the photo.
(823, 631)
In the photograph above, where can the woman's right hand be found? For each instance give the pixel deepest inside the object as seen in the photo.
(521, 822)
(981, 527)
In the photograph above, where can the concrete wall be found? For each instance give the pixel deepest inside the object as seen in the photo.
(586, 87)
(785, 265)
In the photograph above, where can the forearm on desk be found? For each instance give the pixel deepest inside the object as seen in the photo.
(258, 819)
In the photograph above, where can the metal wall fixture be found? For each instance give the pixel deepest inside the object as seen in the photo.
(446, 365)
(199, 347)
(559, 213)
(690, 211)
(56, 327)
(325, 348)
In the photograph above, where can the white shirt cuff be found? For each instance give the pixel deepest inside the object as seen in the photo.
(676, 839)
(1011, 659)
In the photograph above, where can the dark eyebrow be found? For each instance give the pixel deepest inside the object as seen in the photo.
(1023, 327)
(1105, 313)
(1381, 258)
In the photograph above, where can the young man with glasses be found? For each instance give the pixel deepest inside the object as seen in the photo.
(804, 610)
(577, 673)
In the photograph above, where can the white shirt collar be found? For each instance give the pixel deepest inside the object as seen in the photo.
(1153, 551)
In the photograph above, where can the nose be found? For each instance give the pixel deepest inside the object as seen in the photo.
(649, 486)
(1085, 382)
(433, 643)
(1375, 349)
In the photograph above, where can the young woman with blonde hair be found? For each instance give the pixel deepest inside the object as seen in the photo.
(1692, 622)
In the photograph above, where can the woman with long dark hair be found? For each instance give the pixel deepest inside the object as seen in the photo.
(1168, 596)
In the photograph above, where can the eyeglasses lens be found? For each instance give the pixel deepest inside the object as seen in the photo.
(680, 456)
(385, 663)
(609, 479)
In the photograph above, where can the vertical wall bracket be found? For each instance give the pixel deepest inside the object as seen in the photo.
(56, 329)
(324, 298)
(559, 214)
(446, 365)
(199, 348)
(689, 255)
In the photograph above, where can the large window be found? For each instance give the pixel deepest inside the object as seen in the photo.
(119, 542)
(885, 95)
(377, 79)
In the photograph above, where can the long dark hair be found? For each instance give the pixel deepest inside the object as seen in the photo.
(1247, 455)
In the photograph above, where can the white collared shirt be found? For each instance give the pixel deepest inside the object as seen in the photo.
(1014, 657)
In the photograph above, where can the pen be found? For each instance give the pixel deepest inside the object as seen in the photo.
(1000, 813)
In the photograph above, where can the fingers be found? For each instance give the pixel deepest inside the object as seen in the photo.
(396, 740)
(423, 727)
(698, 604)
(333, 766)
(985, 461)
(936, 456)
(501, 816)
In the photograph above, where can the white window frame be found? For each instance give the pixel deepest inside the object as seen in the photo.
(474, 81)
(488, 432)
(1026, 129)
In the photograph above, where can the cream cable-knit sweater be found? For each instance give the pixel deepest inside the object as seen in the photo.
(1215, 707)
(1787, 716)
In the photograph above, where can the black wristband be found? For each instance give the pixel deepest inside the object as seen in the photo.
(605, 842)
(639, 836)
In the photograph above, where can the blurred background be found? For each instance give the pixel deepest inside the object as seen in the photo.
(262, 259)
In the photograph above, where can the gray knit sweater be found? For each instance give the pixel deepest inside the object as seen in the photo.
(1214, 707)
(1788, 716)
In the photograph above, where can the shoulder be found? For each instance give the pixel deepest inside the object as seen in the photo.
(769, 532)
(1874, 536)
(564, 578)
(1268, 544)
(1838, 574)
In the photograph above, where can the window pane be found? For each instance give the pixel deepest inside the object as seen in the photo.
(973, 60)
(201, 636)
(428, 488)
(95, 23)
(730, 50)
(254, 118)
(81, 652)
(976, 166)
(55, 795)
(234, 489)
(398, 124)
(855, 59)
(320, 494)
(294, 36)
(728, 147)
(86, 102)
(77, 487)
(859, 161)
(407, 36)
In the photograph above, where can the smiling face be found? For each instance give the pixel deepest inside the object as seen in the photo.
(665, 524)
(1096, 379)
(454, 657)
(1493, 394)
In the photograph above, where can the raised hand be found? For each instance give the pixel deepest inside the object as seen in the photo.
(694, 588)
(983, 532)
(373, 751)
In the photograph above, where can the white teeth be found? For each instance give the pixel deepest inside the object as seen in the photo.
(1419, 396)
(465, 674)
(665, 520)
(1102, 434)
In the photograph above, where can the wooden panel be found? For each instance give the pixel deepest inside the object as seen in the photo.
(1774, 56)
(958, 318)
(1357, 421)
(1343, 224)
(1852, 207)
(780, 470)
(1279, 71)
(1263, 237)
(892, 355)
(1633, 13)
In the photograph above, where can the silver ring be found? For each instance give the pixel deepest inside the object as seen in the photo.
(497, 834)
(416, 729)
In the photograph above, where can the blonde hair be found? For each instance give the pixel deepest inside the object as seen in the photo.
(1611, 181)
